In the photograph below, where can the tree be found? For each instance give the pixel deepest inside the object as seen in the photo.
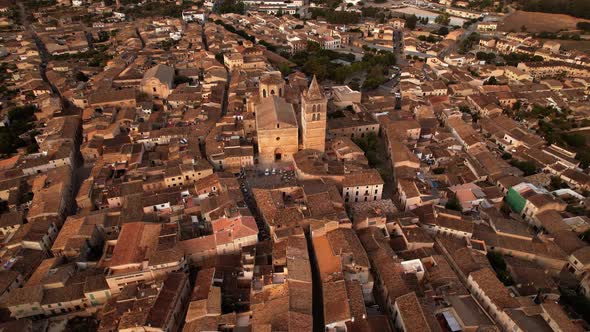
(527, 167)
(232, 6)
(103, 36)
(439, 170)
(517, 105)
(411, 22)
(443, 31)
(466, 44)
(80, 76)
(21, 120)
(443, 19)
(354, 85)
(180, 79)
(453, 204)
(557, 183)
(491, 81)
(505, 209)
(499, 266)
(336, 17)
(369, 146)
(487, 57)
(574, 140)
(577, 8)
(285, 69)
(219, 57)
(314, 66)
(584, 157)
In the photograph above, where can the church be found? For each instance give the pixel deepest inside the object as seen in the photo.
(277, 126)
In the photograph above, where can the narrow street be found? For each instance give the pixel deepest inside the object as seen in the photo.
(316, 282)
(68, 108)
(40, 47)
(140, 38)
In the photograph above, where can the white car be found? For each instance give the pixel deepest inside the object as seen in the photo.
(267, 172)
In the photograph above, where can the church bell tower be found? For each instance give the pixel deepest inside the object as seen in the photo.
(313, 117)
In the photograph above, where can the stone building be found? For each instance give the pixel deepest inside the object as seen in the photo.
(157, 81)
(313, 117)
(276, 123)
(272, 84)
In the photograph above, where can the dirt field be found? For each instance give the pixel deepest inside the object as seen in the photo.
(538, 22)
(580, 45)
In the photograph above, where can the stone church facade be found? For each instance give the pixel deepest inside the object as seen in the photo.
(276, 123)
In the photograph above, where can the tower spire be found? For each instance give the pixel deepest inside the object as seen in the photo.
(314, 91)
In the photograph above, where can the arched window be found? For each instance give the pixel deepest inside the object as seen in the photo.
(278, 125)
(272, 92)
(317, 117)
(313, 108)
(264, 93)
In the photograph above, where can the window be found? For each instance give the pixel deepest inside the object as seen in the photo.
(278, 138)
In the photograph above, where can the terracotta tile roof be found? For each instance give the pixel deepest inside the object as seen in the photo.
(135, 244)
(345, 240)
(363, 178)
(336, 307)
(411, 313)
(492, 288)
(328, 262)
(27, 295)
